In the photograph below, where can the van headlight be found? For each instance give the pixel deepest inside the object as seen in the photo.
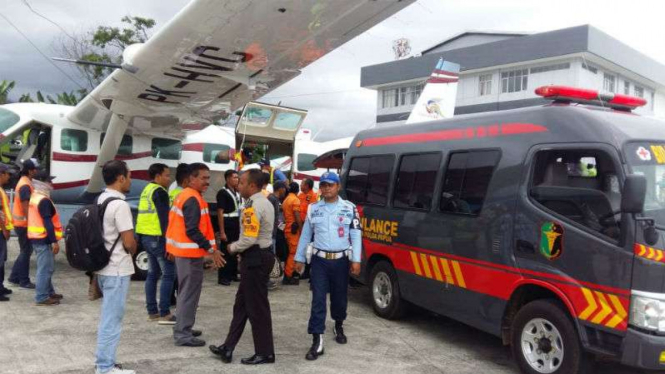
(647, 311)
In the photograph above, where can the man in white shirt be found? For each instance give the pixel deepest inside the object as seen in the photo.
(115, 277)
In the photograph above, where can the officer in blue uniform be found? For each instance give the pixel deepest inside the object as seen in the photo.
(335, 225)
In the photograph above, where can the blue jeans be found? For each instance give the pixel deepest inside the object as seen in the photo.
(158, 264)
(328, 276)
(45, 267)
(115, 290)
(21, 270)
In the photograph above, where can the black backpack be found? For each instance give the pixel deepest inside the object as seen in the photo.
(84, 238)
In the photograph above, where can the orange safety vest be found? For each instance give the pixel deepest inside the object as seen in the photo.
(36, 228)
(177, 241)
(20, 217)
(9, 221)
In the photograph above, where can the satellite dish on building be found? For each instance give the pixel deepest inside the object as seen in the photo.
(401, 48)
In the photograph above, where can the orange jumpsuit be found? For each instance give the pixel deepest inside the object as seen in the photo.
(291, 207)
(305, 200)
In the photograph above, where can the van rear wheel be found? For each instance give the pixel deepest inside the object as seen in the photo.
(385, 293)
(545, 341)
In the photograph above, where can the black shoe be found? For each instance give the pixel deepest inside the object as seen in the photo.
(258, 360)
(224, 282)
(28, 286)
(317, 348)
(196, 333)
(6, 291)
(224, 353)
(338, 330)
(3, 298)
(293, 281)
(194, 342)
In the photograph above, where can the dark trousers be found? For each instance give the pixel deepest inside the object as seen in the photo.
(230, 270)
(21, 270)
(3, 259)
(190, 278)
(252, 304)
(328, 276)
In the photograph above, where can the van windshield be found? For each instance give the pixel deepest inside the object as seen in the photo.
(7, 119)
(648, 159)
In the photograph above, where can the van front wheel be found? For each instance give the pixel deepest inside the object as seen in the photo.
(385, 293)
(544, 340)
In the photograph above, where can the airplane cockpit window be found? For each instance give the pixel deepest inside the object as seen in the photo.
(216, 153)
(74, 140)
(257, 116)
(7, 119)
(126, 144)
(166, 149)
(287, 121)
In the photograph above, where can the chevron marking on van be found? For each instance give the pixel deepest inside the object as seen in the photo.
(649, 253)
(603, 309)
(438, 268)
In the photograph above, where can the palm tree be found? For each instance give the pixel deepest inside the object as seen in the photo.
(5, 88)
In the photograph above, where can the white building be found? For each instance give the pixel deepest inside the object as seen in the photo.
(501, 71)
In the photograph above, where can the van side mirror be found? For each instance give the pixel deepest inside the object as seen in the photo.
(634, 194)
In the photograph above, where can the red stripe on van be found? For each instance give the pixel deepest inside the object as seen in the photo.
(507, 129)
(496, 280)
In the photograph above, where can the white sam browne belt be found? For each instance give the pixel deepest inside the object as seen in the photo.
(332, 255)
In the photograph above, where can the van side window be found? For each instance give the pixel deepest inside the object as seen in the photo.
(580, 185)
(126, 144)
(415, 181)
(74, 140)
(369, 178)
(466, 180)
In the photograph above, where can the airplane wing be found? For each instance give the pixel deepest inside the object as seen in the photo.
(216, 55)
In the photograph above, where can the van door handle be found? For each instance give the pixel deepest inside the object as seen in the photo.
(525, 247)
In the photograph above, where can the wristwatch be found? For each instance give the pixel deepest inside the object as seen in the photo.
(211, 250)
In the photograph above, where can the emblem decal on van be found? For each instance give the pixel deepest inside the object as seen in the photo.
(551, 240)
(643, 154)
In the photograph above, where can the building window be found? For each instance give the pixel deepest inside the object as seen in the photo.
(369, 179)
(126, 144)
(166, 149)
(590, 68)
(639, 91)
(402, 96)
(415, 181)
(542, 69)
(514, 81)
(466, 181)
(485, 84)
(626, 88)
(74, 140)
(608, 82)
(216, 153)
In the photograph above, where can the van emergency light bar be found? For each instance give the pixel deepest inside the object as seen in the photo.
(593, 97)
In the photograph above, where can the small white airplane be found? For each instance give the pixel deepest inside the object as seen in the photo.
(213, 57)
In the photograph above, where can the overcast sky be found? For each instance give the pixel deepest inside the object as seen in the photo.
(329, 88)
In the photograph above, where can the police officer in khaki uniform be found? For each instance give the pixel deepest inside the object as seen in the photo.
(257, 260)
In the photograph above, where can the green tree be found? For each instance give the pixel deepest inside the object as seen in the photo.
(64, 98)
(5, 88)
(105, 44)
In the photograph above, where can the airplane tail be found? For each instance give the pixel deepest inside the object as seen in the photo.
(437, 101)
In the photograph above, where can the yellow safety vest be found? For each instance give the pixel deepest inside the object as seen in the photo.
(174, 193)
(9, 221)
(147, 221)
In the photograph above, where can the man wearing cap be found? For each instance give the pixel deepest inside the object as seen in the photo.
(21, 271)
(335, 224)
(6, 225)
(275, 174)
(44, 231)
